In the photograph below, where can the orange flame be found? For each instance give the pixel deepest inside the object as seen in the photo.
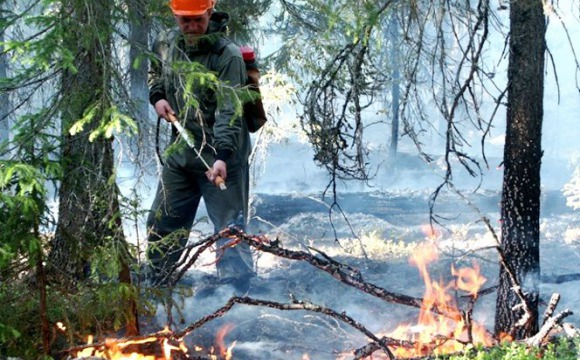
(222, 350)
(430, 232)
(505, 337)
(436, 333)
(469, 279)
(114, 349)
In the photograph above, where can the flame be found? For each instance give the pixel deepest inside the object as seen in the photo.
(162, 344)
(430, 232)
(435, 333)
(505, 337)
(220, 345)
(469, 279)
(114, 349)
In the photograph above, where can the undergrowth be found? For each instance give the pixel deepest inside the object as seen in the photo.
(559, 349)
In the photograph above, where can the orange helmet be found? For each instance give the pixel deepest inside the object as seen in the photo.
(191, 7)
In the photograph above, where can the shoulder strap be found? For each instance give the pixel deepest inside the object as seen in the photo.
(219, 45)
(217, 48)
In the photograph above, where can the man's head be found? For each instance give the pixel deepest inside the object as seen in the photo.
(192, 16)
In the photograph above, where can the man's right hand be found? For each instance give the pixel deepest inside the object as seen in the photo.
(163, 109)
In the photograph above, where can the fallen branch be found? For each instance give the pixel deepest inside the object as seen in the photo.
(539, 338)
(338, 271)
(554, 300)
(294, 305)
(370, 348)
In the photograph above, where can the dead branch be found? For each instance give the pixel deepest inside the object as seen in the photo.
(204, 244)
(294, 305)
(169, 277)
(338, 272)
(370, 348)
(551, 307)
(341, 272)
(570, 330)
(539, 338)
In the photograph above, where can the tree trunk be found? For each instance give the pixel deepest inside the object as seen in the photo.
(395, 89)
(89, 211)
(88, 194)
(139, 90)
(520, 207)
(4, 104)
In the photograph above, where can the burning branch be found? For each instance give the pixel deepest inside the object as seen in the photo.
(524, 305)
(160, 345)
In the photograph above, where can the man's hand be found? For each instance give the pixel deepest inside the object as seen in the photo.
(163, 109)
(218, 170)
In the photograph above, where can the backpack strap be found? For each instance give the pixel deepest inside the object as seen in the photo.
(217, 48)
(219, 45)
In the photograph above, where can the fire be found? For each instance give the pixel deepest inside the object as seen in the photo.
(430, 232)
(120, 349)
(161, 346)
(435, 333)
(225, 353)
(469, 279)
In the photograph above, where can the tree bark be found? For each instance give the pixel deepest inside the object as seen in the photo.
(139, 44)
(88, 194)
(139, 24)
(4, 100)
(89, 211)
(395, 87)
(520, 206)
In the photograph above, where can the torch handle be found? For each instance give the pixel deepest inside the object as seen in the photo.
(220, 182)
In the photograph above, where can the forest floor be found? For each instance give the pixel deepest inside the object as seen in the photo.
(388, 226)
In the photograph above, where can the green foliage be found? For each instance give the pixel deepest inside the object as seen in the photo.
(110, 121)
(244, 18)
(315, 31)
(333, 50)
(19, 337)
(8, 334)
(22, 204)
(560, 349)
(198, 76)
(96, 309)
(42, 46)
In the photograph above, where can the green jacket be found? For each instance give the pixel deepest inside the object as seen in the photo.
(214, 122)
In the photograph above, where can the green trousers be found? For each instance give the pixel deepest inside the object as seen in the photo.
(183, 183)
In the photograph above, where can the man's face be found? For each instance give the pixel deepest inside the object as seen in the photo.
(193, 26)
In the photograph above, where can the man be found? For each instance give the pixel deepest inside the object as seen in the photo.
(222, 141)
